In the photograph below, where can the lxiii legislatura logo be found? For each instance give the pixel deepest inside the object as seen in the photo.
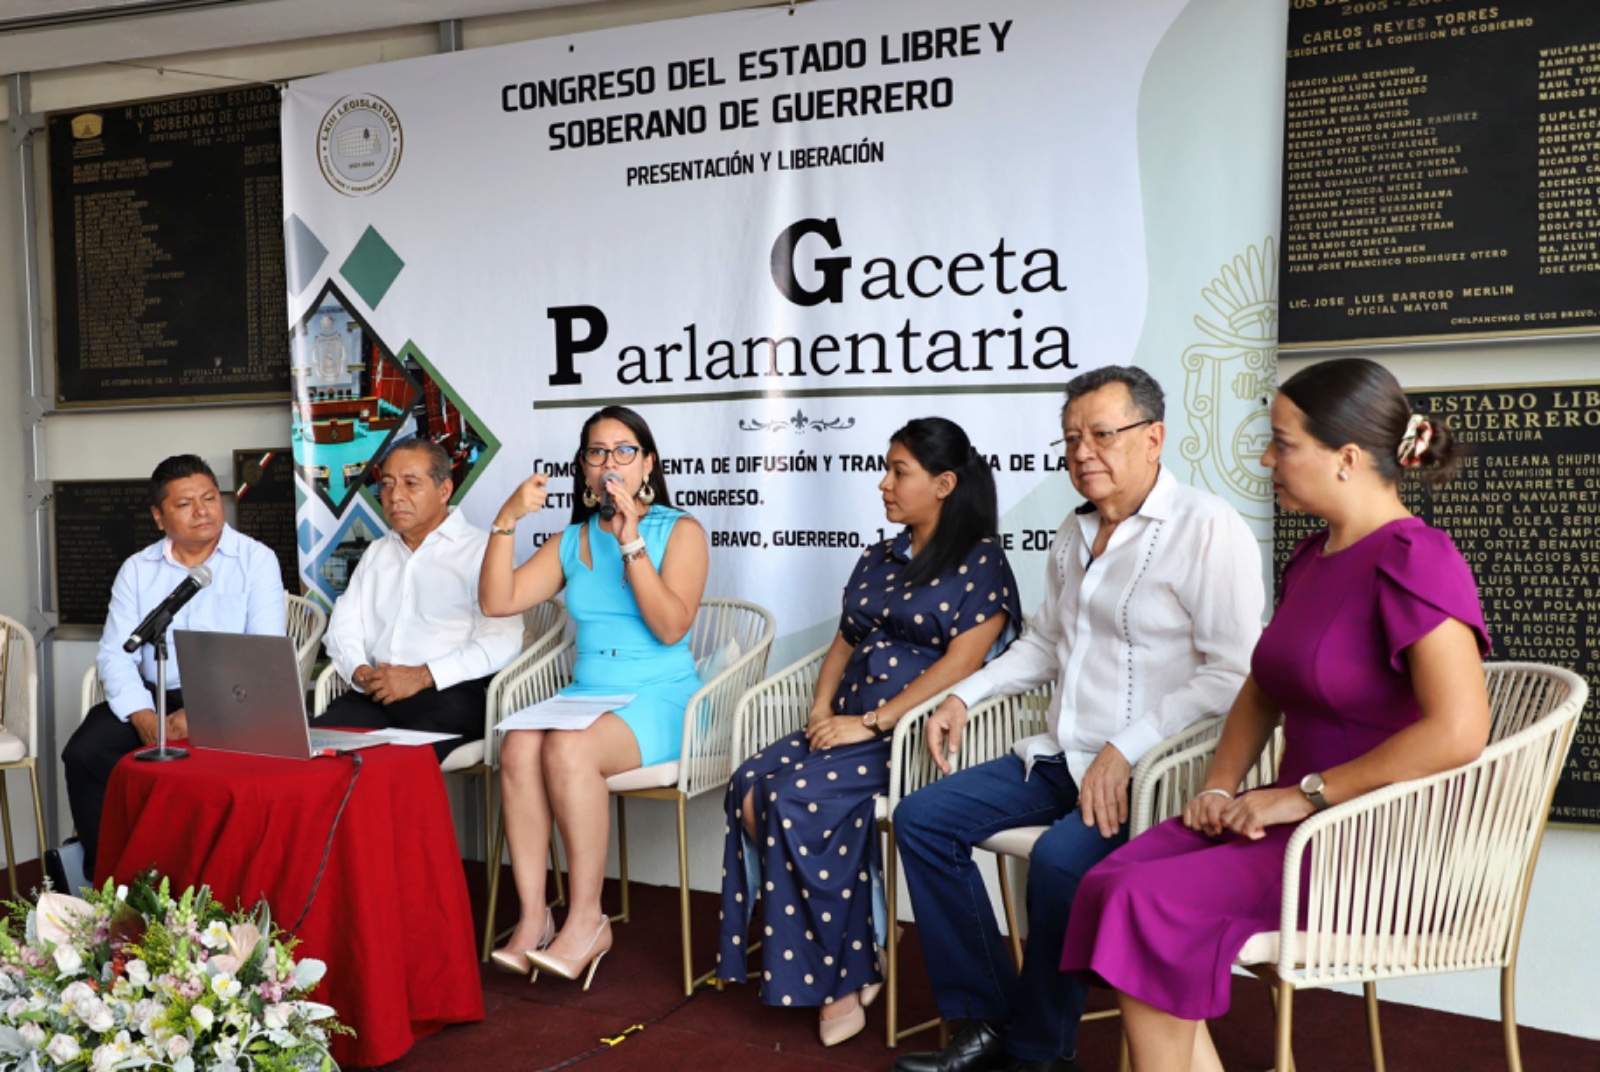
(359, 143)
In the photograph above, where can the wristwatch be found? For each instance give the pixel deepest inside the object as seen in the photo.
(870, 720)
(1311, 786)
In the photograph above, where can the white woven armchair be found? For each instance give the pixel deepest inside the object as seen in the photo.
(781, 705)
(1024, 716)
(306, 622)
(706, 761)
(1421, 877)
(19, 737)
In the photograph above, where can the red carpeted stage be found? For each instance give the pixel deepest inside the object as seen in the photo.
(541, 1025)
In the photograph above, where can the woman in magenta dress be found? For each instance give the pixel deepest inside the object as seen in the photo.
(1374, 660)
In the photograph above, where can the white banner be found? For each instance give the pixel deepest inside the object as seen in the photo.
(779, 235)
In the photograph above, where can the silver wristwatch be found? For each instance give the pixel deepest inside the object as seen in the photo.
(1311, 786)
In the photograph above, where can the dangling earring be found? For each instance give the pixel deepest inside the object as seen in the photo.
(646, 494)
(590, 499)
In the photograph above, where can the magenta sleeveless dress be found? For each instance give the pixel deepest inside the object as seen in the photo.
(1163, 917)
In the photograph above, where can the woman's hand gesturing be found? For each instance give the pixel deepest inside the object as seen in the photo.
(529, 497)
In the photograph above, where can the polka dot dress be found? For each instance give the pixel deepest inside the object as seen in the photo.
(817, 842)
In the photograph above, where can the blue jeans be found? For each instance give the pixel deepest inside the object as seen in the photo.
(968, 960)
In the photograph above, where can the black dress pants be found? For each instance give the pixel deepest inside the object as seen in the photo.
(95, 748)
(458, 709)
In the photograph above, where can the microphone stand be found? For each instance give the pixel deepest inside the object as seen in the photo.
(161, 753)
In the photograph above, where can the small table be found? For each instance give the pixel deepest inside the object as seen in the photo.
(391, 918)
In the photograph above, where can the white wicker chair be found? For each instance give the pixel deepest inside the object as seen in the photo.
(542, 629)
(304, 623)
(706, 760)
(19, 714)
(1017, 843)
(781, 705)
(1420, 877)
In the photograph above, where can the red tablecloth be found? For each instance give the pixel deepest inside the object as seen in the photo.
(391, 919)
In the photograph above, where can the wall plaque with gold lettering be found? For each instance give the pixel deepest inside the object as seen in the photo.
(97, 524)
(167, 220)
(1441, 171)
(1525, 511)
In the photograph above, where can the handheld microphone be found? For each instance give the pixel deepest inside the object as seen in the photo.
(156, 622)
(608, 507)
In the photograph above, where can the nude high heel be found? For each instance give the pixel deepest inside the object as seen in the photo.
(515, 961)
(569, 967)
(842, 1028)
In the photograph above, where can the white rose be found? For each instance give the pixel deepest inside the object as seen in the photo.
(100, 1018)
(32, 1032)
(276, 1017)
(202, 1016)
(177, 1046)
(63, 1049)
(138, 973)
(68, 960)
(105, 1058)
(17, 1008)
(76, 992)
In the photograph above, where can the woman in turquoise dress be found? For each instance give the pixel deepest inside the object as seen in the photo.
(633, 587)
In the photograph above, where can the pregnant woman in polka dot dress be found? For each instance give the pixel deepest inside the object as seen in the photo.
(921, 611)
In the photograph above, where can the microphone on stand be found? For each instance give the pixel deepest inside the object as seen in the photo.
(155, 623)
(608, 507)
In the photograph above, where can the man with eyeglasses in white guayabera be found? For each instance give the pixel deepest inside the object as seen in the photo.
(408, 633)
(1153, 601)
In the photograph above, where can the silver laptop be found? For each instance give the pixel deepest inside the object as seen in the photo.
(242, 693)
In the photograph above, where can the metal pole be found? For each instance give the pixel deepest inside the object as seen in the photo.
(36, 406)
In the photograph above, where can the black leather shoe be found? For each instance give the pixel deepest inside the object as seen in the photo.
(976, 1048)
(1059, 1064)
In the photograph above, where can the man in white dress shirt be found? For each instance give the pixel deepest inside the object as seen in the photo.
(407, 633)
(1152, 604)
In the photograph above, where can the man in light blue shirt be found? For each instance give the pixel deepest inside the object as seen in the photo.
(245, 596)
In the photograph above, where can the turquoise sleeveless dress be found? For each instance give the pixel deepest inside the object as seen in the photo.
(617, 653)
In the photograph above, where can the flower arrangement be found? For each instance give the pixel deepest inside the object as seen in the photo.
(132, 978)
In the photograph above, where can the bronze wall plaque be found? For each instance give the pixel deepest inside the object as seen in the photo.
(167, 232)
(1441, 171)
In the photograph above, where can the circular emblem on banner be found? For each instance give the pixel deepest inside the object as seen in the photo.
(358, 144)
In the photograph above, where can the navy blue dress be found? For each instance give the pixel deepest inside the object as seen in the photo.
(817, 843)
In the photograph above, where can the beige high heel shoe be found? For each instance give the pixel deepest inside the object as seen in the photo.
(569, 967)
(515, 961)
(842, 1028)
